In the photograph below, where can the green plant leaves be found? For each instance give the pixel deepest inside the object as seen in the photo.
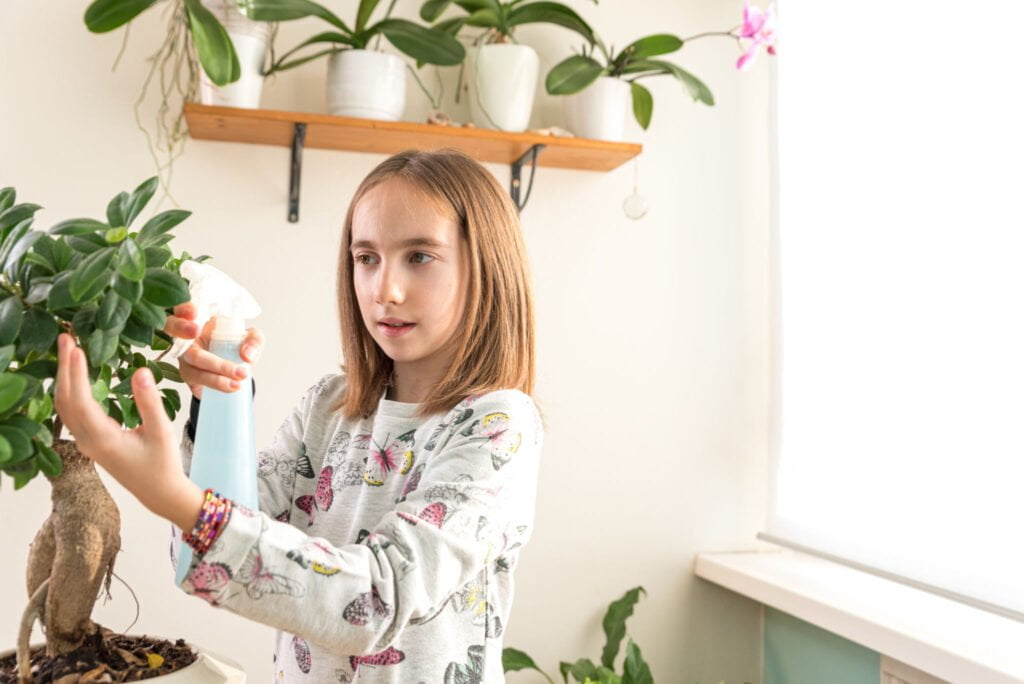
(513, 660)
(48, 460)
(430, 11)
(614, 623)
(164, 288)
(139, 198)
(7, 197)
(113, 312)
(131, 260)
(635, 669)
(643, 104)
(697, 89)
(90, 277)
(87, 243)
(150, 315)
(128, 289)
(213, 45)
(38, 332)
(286, 10)
(11, 314)
(572, 75)
(550, 13)
(11, 387)
(101, 345)
(160, 224)
(423, 44)
(116, 210)
(77, 226)
(366, 8)
(658, 44)
(106, 15)
(14, 215)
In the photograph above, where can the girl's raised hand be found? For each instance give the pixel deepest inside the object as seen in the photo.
(198, 366)
(144, 460)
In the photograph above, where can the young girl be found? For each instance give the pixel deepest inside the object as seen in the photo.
(396, 497)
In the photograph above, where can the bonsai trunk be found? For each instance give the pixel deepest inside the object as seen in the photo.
(71, 557)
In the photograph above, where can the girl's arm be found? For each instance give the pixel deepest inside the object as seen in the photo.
(275, 485)
(474, 503)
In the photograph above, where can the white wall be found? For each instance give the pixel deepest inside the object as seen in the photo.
(652, 334)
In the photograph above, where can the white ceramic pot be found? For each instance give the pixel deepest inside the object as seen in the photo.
(250, 40)
(366, 84)
(208, 668)
(502, 85)
(599, 111)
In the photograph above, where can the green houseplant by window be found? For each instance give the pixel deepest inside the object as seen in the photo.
(635, 669)
(110, 286)
(503, 71)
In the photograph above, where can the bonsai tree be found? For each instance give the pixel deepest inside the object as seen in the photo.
(110, 287)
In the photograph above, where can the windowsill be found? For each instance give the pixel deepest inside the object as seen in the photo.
(947, 639)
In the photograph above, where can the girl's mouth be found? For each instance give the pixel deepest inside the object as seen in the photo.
(395, 330)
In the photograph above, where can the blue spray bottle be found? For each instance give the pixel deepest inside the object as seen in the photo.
(224, 452)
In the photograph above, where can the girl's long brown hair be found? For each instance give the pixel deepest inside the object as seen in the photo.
(494, 348)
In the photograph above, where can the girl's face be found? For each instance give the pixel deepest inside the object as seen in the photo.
(409, 263)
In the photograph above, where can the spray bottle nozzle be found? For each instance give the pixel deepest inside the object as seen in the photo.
(215, 294)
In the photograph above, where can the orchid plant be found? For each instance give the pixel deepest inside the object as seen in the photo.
(634, 62)
(424, 44)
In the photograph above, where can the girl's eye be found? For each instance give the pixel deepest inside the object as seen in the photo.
(422, 254)
(359, 258)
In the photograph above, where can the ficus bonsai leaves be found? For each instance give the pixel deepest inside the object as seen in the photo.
(106, 284)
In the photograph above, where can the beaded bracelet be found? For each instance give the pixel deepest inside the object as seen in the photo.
(213, 516)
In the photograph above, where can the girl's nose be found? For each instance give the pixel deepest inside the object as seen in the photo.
(390, 287)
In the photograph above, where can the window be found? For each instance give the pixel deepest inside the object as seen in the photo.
(900, 282)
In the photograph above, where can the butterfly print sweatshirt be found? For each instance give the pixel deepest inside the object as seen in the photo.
(383, 549)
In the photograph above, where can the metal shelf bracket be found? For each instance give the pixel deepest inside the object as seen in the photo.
(298, 142)
(517, 167)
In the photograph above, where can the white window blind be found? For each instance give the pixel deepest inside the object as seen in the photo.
(900, 275)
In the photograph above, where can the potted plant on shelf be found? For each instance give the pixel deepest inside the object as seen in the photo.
(212, 53)
(503, 72)
(110, 287)
(230, 47)
(598, 92)
(361, 81)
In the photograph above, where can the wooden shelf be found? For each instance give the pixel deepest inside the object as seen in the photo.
(270, 127)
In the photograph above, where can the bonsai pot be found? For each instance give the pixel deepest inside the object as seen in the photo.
(208, 668)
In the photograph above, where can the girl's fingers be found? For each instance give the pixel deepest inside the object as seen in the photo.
(178, 326)
(61, 394)
(252, 346)
(203, 361)
(89, 422)
(150, 404)
(185, 310)
(207, 379)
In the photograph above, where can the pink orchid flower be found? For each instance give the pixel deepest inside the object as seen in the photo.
(759, 28)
